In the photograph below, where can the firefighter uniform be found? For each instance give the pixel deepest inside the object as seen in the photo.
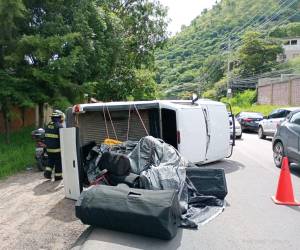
(53, 150)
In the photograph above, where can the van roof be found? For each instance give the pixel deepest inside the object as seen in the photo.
(142, 105)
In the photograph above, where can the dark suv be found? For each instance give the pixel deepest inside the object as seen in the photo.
(287, 138)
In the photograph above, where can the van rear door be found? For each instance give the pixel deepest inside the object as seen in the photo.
(192, 132)
(69, 162)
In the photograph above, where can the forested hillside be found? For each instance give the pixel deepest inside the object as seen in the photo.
(196, 59)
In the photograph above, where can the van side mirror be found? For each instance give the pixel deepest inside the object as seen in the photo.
(194, 98)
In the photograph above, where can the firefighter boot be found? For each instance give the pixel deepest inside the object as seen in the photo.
(58, 176)
(47, 175)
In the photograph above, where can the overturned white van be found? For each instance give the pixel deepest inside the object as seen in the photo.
(199, 131)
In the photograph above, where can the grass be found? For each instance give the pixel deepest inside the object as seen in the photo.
(18, 155)
(264, 109)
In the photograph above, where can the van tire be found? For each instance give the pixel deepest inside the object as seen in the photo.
(261, 134)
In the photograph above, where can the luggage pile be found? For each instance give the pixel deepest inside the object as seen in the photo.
(147, 188)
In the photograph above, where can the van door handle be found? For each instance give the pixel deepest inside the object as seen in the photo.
(73, 163)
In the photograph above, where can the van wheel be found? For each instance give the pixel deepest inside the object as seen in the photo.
(261, 133)
(278, 153)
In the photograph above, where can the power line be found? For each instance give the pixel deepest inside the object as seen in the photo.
(249, 24)
(252, 21)
(262, 26)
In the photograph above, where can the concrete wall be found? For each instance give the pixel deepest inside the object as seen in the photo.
(19, 119)
(292, 48)
(277, 91)
(24, 118)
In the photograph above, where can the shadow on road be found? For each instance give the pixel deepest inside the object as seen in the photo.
(63, 211)
(229, 166)
(125, 239)
(82, 238)
(47, 187)
(249, 132)
(294, 208)
(22, 178)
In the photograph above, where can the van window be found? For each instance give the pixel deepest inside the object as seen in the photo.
(169, 127)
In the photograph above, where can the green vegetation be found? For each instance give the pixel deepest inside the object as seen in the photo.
(264, 109)
(245, 101)
(56, 51)
(18, 155)
(196, 59)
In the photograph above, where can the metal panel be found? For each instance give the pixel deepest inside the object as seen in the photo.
(69, 162)
(92, 126)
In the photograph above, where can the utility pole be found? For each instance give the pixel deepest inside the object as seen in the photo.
(229, 90)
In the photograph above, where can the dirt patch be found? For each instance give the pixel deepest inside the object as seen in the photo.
(35, 215)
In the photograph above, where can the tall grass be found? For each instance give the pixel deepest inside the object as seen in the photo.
(17, 155)
(264, 109)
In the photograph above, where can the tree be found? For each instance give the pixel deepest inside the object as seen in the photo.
(55, 49)
(12, 91)
(288, 30)
(257, 54)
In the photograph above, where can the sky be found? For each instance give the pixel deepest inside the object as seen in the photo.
(184, 11)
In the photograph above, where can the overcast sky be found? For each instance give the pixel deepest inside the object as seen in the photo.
(184, 11)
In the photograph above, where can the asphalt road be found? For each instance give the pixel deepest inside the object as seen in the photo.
(250, 221)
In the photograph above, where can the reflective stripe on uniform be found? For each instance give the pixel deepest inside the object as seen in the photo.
(48, 169)
(51, 135)
(53, 150)
(58, 174)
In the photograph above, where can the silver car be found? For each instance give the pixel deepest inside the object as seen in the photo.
(238, 129)
(268, 126)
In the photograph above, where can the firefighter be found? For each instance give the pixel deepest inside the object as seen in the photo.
(53, 145)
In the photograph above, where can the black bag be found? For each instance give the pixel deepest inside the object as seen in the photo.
(115, 163)
(132, 180)
(146, 212)
(208, 181)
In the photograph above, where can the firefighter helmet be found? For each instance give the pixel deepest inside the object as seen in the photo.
(58, 114)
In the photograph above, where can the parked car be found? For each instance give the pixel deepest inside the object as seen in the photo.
(267, 127)
(286, 139)
(249, 120)
(238, 129)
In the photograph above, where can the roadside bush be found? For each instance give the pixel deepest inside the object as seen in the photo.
(243, 99)
(17, 155)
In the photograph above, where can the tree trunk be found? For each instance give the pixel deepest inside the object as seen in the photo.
(41, 115)
(23, 116)
(6, 126)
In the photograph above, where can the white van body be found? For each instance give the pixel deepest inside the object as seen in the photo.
(200, 131)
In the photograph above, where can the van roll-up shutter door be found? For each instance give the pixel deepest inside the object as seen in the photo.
(92, 126)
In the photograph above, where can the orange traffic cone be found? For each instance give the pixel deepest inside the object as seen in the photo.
(285, 193)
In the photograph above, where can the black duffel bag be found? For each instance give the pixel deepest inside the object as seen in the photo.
(208, 181)
(146, 212)
(116, 164)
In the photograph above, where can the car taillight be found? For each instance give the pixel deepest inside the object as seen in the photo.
(248, 120)
(76, 109)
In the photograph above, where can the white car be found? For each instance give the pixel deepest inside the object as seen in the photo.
(268, 126)
(238, 129)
